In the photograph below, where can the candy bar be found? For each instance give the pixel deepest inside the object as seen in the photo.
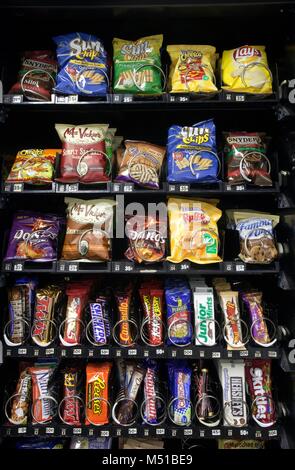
(77, 298)
(17, 314)
(204, 312)
(98, 322)
(207, 410)
(21, 401)
(97, 393)
(229, 301)
(71, 408)
(232, 378)
(180, 388)
(150, 394)
(42, 404)
(126, 407)
(46, 300)
(123, 300)
(152, 301)
(179, 310)
(253, 302)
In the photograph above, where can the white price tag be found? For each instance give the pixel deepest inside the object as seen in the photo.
(216, 432)
(104, 352)
(77, 352)
(22, 430)
(132, 352)
(49, 430)
(188, 352)
(132, 431)
(160, 432)
(77, 431)
(216, 355)
(105, 433)
(187, 432)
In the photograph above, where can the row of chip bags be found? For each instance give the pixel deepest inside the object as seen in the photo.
(82, 67)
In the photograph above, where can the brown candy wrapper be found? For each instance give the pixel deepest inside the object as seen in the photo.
(123, 301)
(229, 302)
(21, 401)
(253, 302)
(71, 408)
(45, 306)
(89, 230)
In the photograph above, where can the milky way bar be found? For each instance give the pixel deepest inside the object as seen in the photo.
(232, 378)
(204, 312)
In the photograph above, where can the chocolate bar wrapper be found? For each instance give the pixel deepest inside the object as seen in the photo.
(42, 406)
(253, 302)
(98, 323)
(180, 387)
(205, 409)
(150, 393)
(97, 386)
(259, 385)
(29, 285)
(71, 409)
(232, 378)
(152, 301)
(46, 301)
(21, 402)
(123, 300)
(126, 408)
(77, 295)
(179, 310)
(204, 312)
(229, 301)
(17, 315)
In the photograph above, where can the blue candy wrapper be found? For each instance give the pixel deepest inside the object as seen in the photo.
(192, 153)
(179, 312)
(35, 443)
(83, 65)
(179, 376)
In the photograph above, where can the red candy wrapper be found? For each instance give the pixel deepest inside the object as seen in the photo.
(258, 378)
(71, 408)
(152, 302)
(77, 294)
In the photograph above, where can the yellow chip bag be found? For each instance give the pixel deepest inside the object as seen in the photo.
(245, 70)
(193, 231)
(192, 69)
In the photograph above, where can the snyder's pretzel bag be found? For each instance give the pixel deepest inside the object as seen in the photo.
(97, 393)
(35, 166)
(141, 163)
(89, 229)
(193, 231)
(146, 236)
(192, 69)
(84, 155)
(137, 65)
(83, 65)
(192, 153)
(245, 70)
(36, 77)
(33, 236)
(257, 242)
(246, 159)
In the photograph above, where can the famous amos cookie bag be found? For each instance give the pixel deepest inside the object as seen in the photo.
(85, 157)
(137, 65)
(34, 166)
(192, 153)
(193, 231)
(83, 65)
(192, 69)
(89, 230)
(36, 77)
(246, 159)
(246, 70)
(256, 234)
(141, 163)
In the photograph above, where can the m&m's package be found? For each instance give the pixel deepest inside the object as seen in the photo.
(137, 65)
(192, 69)
(83, 65)
(192, 153)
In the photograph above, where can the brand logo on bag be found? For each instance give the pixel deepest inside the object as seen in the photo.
(246, 51)
(84, 135)
(82, 49)
(138, 50)
(198, 135)
(244, 139)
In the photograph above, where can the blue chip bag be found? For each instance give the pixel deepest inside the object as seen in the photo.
(192, 156)
(83, 65)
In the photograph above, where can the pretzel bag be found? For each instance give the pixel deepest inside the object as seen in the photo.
(36, 77)
(246, 159)
(193, 231)
(89, 230)
(257, 242)
(141, 163)
(192, 153)
(83, 65)
(245, 70)
(192, 69)
(35, 166)
(137, 65)
(84, 157)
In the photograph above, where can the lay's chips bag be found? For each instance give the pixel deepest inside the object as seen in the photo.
(192, 69)
(245, 70)
(193, 230)
(137, 65)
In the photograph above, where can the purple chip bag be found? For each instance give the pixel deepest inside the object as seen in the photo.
(33, 236)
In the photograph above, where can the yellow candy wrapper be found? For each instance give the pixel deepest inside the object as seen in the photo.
(245, 70)
(192, 69)
(193, 230)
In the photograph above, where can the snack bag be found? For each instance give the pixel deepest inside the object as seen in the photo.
(83, 65)
(245, 70)
(193, 231)
(84, 157)
(89, 229)
(146, 239)
(192, 154)
(246, 160)
(257, 242)
(97, 393)
(36, 77)
(141, 163)
(35, 166)
(137, 65)
(192, 69)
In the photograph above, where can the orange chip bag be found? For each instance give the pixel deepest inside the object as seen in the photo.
(193, 231)
(97, 393)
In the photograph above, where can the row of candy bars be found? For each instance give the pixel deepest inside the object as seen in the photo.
(90, 152)
(83, 68)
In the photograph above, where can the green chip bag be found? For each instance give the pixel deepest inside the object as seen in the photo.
(137, 65)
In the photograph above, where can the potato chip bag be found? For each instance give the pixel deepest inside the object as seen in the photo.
(245, 70)
(193, 231)
(137, 65)
(192, 69)
(34, 166)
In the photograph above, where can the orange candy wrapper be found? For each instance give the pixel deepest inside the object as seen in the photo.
(97, 393)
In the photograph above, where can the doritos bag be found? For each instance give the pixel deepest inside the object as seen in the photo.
(83, 65)
(245, 70)
(192, 69)
(137, 65)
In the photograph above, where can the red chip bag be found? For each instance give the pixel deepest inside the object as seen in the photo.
(84, 157)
